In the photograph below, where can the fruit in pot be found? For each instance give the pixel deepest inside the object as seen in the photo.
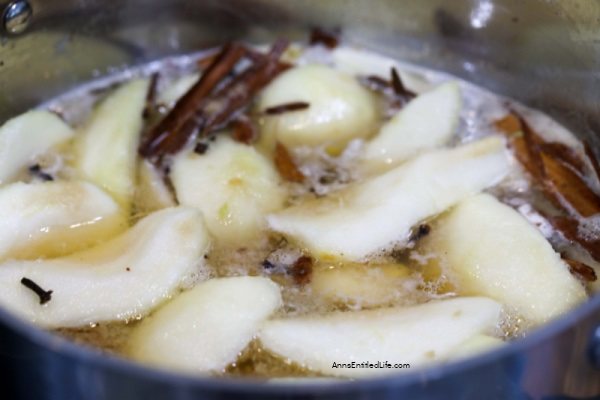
(121, 279)
(417, 335)
(232, 184)
(55, 218)
(29, 135)
(426, 122)
(205, 328)
(489, 249)
(339, 109)
(106, 146)
(372, 215)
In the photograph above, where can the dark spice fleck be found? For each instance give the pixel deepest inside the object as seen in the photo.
(287, 107)
(286, 166)
(45, 296)
(266, 264)
(419, 233)
(127, 269)
(243, 130)
(36, 171)
(201, 148)
(580, 270)
(301, 270)
(329, 39)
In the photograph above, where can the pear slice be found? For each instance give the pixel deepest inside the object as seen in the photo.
(205, 329)
(476, 345)
(340, 109)
(416, 335)
(377, 213)
(177, 89)
(151, 193)
(489, 249)
(24, 137)
(360, 285)
(55, 218)
(359, 62)
(427, 122)
(121, 279)
(106, 147)
(232, 184)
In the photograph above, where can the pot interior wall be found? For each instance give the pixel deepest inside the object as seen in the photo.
(541, 53)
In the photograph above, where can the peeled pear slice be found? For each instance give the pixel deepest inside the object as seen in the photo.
(118, 280)
(340, 109)
(205, 329)
(232, 184)
(416, 335)
(489, 249)
(24, 137)
(359, 285)
(359, 62)
(475, 345)
(177, 89)
(372, 215)
(427, 122)
(151, 193)
(55, 218)
(106, 147)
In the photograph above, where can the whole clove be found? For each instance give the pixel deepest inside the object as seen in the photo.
(44, 295)
(37, 171)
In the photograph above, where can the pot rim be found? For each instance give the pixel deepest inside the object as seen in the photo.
(90, 355)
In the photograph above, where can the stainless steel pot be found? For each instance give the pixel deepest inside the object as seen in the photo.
(545, 54)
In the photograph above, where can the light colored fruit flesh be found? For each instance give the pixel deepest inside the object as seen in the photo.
(204, 329)
(415, 335)
(232, 184)
(426, 122)
(55, 218)
(358, 285)
(121, 279)
(340, 109)
(357, 62)
(26, 136)
(489, 249)
(372, 215)
(106, 147)
(169, 96)
(151, 192)
(475, 345)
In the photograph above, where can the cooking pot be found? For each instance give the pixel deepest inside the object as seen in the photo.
(545, 54)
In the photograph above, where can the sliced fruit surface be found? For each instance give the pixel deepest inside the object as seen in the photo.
(121, 279)
(491, 250)
(338, 109)
(204, 329)
(106, 146)
(232, 184)
(370, 216)
(26, 136)
(55, 218)
(426, 122)
(415, 335)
